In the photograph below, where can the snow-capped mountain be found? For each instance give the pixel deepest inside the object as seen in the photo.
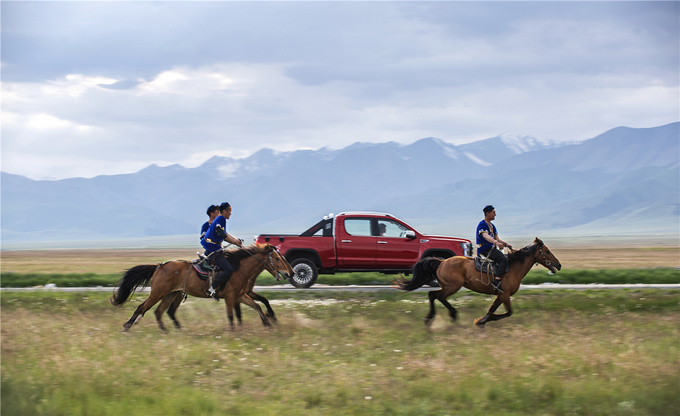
(624, 177)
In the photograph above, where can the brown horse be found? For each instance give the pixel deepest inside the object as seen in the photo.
(456, 272)
(170, 280)
(179, 297)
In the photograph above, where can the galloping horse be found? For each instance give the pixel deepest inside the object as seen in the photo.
(456, 272)
(170, 279)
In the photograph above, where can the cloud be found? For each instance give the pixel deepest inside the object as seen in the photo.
(108, 87)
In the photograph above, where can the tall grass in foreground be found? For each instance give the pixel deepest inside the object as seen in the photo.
(569, 353)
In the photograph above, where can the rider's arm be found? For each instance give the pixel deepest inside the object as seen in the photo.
(233, 240)
(489, 238)
(495, 241)
(503, 243)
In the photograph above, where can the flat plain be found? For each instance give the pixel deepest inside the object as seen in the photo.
(592, 352)
(585, 352)
(118, 260)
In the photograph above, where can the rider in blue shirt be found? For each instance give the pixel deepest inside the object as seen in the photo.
(212, 242)
(490, 245)
(212, 212)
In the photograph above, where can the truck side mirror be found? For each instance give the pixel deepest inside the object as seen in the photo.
(410, 234)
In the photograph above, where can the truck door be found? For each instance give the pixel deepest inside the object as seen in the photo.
(394, 248)
(355, 243)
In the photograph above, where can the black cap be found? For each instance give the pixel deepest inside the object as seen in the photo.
(212, 208)
(488, 208)
(224, 205)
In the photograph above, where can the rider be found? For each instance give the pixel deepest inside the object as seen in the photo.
(212, 212)
(212, 242)
(488, 244)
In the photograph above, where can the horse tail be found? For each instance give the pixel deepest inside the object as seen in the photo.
(134, 278)
(423, 273)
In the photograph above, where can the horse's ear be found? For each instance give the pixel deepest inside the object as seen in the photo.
(538, 242)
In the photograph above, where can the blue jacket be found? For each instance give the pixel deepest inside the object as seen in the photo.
(482, 244)
(204, 229)
(215, 235)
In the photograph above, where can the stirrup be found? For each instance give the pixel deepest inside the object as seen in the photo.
(496, 284)
(213, 294)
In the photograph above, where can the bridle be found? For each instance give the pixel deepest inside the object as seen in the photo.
(270, 260)
(545, 259)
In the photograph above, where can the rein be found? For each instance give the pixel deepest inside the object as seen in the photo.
(271, 260)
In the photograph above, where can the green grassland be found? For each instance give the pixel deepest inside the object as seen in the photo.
(657, 275)
(585, 352)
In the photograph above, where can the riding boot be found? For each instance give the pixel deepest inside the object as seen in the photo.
(212, 293)
(221, 280)
(497, 285)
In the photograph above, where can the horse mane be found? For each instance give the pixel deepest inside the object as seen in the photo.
(235, 256)
(521, 254)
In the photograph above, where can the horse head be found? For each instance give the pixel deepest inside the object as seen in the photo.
(276, 264)
(545, 257)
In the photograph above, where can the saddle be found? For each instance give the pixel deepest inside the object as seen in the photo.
(204, 267)
(485, 265)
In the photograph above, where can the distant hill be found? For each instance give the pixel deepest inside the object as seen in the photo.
(623, 179)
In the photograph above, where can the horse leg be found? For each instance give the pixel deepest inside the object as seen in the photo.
(136, 316)
(250, 302)
(432, 295)
(503, 298)
(443, 295)
(173, 308)
(141, 310)
(270, 312)
(229, 302)
(508, 307)
(237, 311)
(166, 303)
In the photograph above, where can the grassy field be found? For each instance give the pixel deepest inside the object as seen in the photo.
(662, 275)
(593, 352)
(116, 261)
(73, 268)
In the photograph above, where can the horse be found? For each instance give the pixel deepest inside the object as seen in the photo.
(170, 280)
(179, 297)
(456, 272)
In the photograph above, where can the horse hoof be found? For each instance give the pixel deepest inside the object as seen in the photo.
(428, 321)
(479, 322)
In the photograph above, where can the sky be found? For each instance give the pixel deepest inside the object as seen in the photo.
(93, 88)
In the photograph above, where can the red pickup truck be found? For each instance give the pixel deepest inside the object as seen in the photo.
(360, 241)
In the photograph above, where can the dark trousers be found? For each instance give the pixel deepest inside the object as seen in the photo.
(227, 271)
(501, 260)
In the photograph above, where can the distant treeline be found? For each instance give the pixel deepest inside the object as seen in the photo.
(659, 275)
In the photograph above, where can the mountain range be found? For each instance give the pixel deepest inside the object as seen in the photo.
(625, 180)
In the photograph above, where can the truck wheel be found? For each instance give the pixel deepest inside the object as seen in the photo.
(305, 273)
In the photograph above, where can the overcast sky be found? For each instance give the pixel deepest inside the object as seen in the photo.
(93, 88)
